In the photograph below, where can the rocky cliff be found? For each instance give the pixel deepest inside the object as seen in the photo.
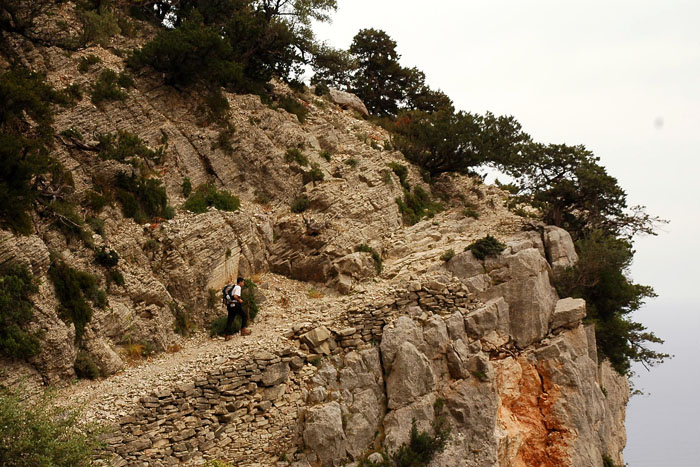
(332, 376)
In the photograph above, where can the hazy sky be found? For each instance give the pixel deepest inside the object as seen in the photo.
(621, 77)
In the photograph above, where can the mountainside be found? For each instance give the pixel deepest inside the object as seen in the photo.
(365, 323)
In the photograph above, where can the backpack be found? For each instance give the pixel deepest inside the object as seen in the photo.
(227, 293)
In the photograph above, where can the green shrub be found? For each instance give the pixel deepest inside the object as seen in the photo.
(183, 319)
(16, 311)
(223, 140)
(250, 301)
(191, 53)
(106, 258)
(212, 298)
(218, 326)
(94, 201)
(295, 155)
(99, 26)
(293, 106)
(86, 62)
(263, 197)
(72, 288)
(110, 86)
(448, 255)
(414, 206)
(123, 146)
(97, 225)
(207, 195)
(186, 187)
(401, 171)
(352, 162)
(471, 212)
(141, 198)
(85, 367)
(24, 154)
(375, 256)
(72, 133)
(326, 155)
(115, 276)
(387, 145)
(39, 433)
(607, 461)
(322, 89)
(422, 447)
(300, 204)
(487, 246)
(66, 219)
(313, 175)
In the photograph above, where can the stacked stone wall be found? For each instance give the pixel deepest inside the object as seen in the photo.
(248, 411)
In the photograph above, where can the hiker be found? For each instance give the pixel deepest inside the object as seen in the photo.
(235, 307)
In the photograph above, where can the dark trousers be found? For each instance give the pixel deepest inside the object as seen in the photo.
(233, 310)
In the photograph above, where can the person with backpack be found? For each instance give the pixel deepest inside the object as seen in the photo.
(234, 305)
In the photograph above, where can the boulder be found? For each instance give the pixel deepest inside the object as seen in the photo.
(455, 326)
(275, 374)
(411, 377)
(397, 424)
(560, 249)
(317, 339)
(348, 101)
(526, 286)
(435, 336)
(457, 360)
(465, 265)
(104, 356)
(493, 316)
(323, 432)
(404, 330)
(357, 265)
(568, 313)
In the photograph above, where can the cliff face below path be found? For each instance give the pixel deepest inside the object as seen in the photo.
(344, 354)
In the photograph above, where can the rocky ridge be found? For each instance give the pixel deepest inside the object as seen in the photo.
(343, 357)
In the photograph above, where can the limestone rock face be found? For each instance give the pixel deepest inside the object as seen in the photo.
(560, 249)
(568, 312)
(324, 432)
(348, 100)
(411, 376)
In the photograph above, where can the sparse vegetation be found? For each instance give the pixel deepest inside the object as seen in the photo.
(186, 187)
(293, 106)
(487, 246)
(85, 367)
(295, 155)
(87, 62)
(110, 86)
(17, 285)
(471, 212)
(352, 162)
(300, 204)
(401, 171)
(142, 199)
(262, 197)
(313, 175)
(376, 257)
(183, 319)
(416, 205)
(73, 289)
(123, 146)
(325, 155)
(207, 195)
(448, 255)
(107, 258)
(42, 434)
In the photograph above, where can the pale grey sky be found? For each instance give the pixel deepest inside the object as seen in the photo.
(621, 77)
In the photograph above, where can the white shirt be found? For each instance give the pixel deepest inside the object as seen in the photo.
(236, 290)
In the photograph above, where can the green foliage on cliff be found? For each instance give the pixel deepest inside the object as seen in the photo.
(38, 433)
(486, 246)
(142, 198)
(17, 285)
(73, 289)
(416, 205)
(207, 195)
